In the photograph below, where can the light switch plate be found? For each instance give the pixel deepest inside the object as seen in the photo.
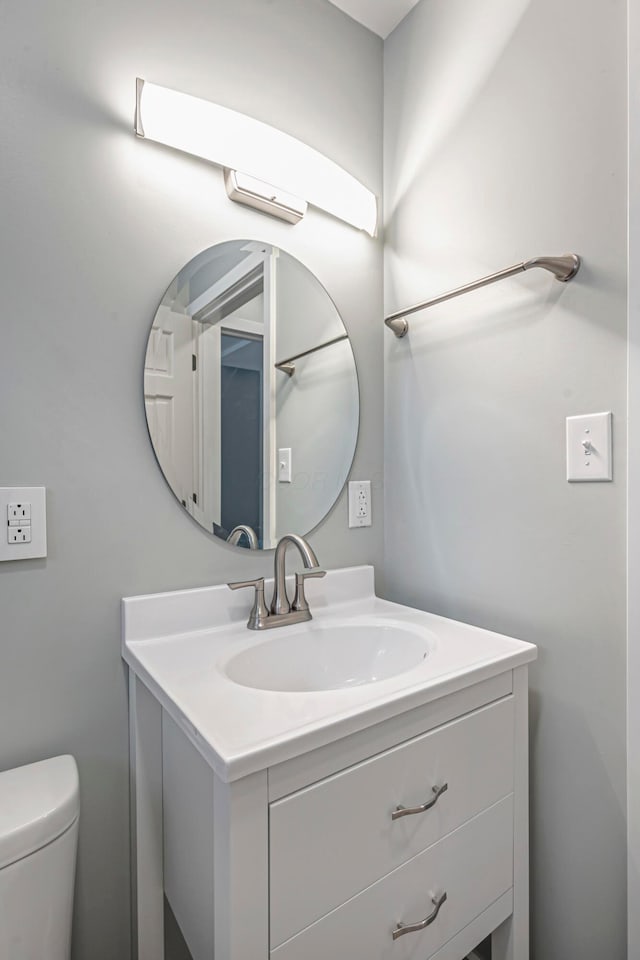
(284, 465)
(36, 545)
(589, 448)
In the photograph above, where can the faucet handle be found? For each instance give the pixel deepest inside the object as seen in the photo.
(259, 611)
(299, 600)
(239, 584)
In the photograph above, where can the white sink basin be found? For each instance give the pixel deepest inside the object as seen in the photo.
(250, 700)
(331, 657)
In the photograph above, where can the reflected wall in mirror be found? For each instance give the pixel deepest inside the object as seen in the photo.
(251, 394)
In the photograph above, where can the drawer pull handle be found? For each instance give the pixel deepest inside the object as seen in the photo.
(401, 811)
(403, 928)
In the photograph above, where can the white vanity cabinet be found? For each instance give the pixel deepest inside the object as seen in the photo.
(331, 841)
(305, 860)
(388, 822)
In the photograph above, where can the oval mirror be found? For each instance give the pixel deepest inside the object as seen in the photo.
(251, 394)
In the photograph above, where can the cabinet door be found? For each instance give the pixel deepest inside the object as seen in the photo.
(473, 866)
(331, 840)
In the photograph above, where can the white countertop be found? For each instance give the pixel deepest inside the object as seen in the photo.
(177, 644)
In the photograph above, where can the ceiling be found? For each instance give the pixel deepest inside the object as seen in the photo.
(381, 16)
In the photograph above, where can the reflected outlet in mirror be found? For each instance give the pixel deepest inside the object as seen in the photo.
(248, 361)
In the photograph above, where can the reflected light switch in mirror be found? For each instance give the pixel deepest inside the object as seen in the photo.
(284, 465)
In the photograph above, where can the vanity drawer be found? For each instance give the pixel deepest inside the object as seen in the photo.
(331, 840)
(473, 866)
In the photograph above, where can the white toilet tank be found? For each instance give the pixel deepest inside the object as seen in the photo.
(39, 807)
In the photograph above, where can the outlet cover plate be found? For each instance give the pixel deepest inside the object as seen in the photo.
(359, 503)
(37, 546)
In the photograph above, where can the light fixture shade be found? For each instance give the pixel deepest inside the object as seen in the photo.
(241, 143)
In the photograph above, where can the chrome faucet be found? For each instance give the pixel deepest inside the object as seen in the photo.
(282, 612)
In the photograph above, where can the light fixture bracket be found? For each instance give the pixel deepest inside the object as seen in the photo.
(262, 196)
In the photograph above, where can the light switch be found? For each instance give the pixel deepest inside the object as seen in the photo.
(284, 465)
(589, 447)
(23, 519)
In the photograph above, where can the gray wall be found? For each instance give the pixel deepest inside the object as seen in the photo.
(505, 138)
(94, 225)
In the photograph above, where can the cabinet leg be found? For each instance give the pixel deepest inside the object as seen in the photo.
(147, 872)
(511, 939)
(241, 868)
(507, 942)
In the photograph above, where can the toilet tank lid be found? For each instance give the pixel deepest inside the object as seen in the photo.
(38, 802)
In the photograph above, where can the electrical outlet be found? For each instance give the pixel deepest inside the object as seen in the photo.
(359, 503)
(23, 511)
(18, 511)
(19, 534)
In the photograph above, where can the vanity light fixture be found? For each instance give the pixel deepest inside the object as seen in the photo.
(255, 156)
